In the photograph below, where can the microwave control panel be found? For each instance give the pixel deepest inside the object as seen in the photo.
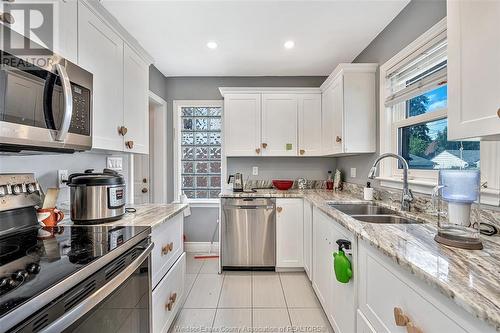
(80, 121)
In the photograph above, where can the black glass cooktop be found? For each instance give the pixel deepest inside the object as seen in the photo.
(33, 259)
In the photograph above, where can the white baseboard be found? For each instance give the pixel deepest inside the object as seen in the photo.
(201, 247)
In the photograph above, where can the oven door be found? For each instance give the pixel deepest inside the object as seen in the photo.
(121, 305)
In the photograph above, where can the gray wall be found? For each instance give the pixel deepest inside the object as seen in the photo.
(45, 166)
(201, 224)
(416, 18)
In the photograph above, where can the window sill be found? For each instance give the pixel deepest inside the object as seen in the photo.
(489, 196)
(204, 203)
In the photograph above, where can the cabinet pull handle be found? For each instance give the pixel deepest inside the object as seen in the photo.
(129, 144)
(257, 150)
(264, 145)
(122, 130)
(400, 318)
(498, 112)
(279, 209)
(302, 152)
(338, 139)
(171, 301)
(167, 248)
(7, 18)
(411, 328)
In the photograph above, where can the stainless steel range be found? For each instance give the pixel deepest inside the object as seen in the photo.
(66, 279)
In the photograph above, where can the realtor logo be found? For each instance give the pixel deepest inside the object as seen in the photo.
(36, 22)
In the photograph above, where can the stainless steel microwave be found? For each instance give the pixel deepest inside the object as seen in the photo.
(45, 103)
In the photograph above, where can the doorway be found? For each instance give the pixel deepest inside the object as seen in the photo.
(150, 171)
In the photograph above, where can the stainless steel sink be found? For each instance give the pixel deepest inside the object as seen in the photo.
(363, 209)
(385, 219)
(371, 213)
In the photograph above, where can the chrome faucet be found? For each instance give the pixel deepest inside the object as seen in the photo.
(407, 195)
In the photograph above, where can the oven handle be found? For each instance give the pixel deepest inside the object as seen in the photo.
(68, 103)
(93, 300)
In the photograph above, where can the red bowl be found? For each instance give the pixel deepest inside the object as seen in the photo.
(283, 184)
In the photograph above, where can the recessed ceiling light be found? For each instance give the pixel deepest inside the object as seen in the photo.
(289, 44)
(212, 45)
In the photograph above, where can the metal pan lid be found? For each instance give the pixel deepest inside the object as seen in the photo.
(89, 178)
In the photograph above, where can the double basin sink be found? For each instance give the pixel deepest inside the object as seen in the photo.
(371, 213)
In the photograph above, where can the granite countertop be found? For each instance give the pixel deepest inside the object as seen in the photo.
(470, 278)
(147, 215)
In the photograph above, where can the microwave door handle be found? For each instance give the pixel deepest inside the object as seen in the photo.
(94, 299)
(68, 103)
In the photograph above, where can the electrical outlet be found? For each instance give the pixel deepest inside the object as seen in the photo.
(62, 178)
(255, 171)
(114, 163)
(353, 172)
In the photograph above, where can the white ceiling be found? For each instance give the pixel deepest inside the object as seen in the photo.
(250, 34)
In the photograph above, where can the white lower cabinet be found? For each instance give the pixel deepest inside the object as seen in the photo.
(289, 233)
(308, 238)
(383, 287)
(337, 299)
(168, 296)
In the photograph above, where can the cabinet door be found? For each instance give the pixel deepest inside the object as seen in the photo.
(309, 125)
(473, 70)
(308, 238)
(322, 254)
(242, 114)
(100, 51)
(135, 113)
(332, 116)
(279, 124)
(289, 233)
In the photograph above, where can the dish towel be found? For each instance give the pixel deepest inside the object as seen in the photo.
(184, 200)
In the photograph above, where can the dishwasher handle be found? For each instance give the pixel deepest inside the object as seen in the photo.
(249, 207)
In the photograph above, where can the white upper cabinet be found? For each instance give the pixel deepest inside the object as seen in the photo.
(100, 52)
(279, 124)
(348, 110)
(473, 70)
(309, 124)
(289, 233)
(242, 114)
(135, 113)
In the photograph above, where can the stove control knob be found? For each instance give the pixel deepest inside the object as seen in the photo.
(33, 268)
(30, 188)
(3, 191)
(16, 189)
(6, 282)
(20, 275)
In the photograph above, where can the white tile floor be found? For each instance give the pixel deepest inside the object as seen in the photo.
(247, 302)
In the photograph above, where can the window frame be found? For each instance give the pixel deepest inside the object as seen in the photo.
(177, 128)
(423, 181)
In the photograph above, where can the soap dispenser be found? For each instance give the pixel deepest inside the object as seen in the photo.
(368, 192)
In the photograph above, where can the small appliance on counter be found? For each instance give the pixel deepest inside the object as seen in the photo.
(237, 182)
(459, 189)
(96, 197)
(62, 278)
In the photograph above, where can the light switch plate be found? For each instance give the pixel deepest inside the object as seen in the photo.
(255, 171)
(353, 172)
(62, 177)
(114, 163)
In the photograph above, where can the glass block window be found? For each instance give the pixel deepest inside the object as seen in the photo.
(201, 152)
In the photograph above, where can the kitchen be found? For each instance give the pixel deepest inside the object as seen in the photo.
(244, 172)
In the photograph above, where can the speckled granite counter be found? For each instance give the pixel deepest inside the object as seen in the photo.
(147, 215)
(470, 278)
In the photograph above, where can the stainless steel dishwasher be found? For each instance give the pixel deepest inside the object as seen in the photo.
(248, 234)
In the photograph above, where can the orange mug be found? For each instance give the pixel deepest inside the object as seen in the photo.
(49, 217)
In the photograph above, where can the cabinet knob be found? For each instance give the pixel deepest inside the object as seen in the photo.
(129, 144)
(257, 150)
(7, 18)
(171, 301)
(498, 112)
(338, 139)
(400, 318)
(302, 152)
(167, 248)
(122, 130)
(264, 145)
(279, 209)
(144, 190)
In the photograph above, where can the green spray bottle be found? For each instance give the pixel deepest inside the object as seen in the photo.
(342, 264)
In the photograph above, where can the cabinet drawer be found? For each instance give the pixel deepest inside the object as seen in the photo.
(168, 296)
(381, 290)
(167, 237)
